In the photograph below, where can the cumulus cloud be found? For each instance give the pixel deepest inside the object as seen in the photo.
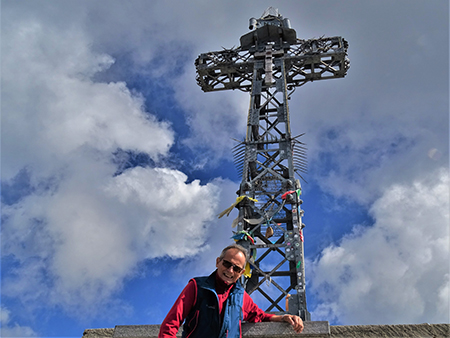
(164, 49)
(214, 118)
(175, 212)
(395, 271)
(375, 127)
(215, 240)
(12, 329)
(54, 109)
(80, 226)
(75, 244)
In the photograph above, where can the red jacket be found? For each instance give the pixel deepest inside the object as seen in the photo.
(169, 328)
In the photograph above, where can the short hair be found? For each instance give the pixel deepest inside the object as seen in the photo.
(237, 247)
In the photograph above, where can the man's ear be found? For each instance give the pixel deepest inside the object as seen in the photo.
(217, 262)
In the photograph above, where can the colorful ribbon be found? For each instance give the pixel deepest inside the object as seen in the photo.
(243, 235)
(227, 211)
(298, 192)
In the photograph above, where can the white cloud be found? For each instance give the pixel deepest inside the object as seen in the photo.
(395, 271)
(217, 238)
(9, 329)
(174, 211)
(214, 118)
(51, 108)
(79, 231)
(374, 127)
(75, 244)
(385, 144)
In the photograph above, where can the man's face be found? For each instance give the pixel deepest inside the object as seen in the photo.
(228, 275)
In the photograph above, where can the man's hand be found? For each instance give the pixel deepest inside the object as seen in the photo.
(295, 321)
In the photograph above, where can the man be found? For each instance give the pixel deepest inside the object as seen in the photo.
(215, 306)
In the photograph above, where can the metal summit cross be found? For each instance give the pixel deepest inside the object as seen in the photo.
(269, 64)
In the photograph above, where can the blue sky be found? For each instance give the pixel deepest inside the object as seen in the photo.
(114, 163)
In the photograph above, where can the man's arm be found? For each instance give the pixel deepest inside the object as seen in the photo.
(295, 321)
(179, 311)
(253, 314)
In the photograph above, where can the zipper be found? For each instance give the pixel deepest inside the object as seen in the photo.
(196, 323)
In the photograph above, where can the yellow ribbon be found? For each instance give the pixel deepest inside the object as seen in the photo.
(227, 211)
(247, 271)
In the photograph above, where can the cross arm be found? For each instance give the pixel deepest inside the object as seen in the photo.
(307, 60)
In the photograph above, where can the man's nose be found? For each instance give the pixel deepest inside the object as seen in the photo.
(231, 269)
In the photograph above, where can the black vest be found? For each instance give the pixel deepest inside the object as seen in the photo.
(203, 320)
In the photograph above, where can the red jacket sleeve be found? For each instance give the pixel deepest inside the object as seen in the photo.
(252, 313)
(179, 311)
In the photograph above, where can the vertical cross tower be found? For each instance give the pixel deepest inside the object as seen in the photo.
(269, 64)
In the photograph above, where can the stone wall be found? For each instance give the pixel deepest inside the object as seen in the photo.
(283, 330)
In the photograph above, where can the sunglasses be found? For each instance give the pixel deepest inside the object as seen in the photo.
(228, 265)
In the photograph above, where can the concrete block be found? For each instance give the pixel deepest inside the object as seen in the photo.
(138, 331)
(312, 329)
(278, 330)
(250, 330)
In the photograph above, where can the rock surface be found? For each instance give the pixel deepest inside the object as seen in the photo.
(272, 330)
(369, 331)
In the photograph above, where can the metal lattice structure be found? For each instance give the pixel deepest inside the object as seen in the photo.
(270, 64)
